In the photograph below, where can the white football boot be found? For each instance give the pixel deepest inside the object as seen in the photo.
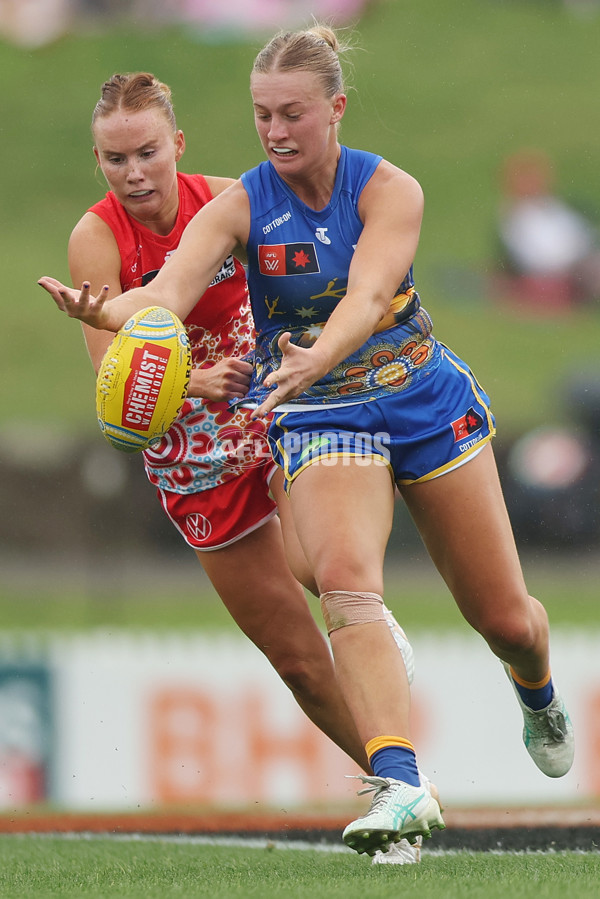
(403, 852)
(547, 734)
(400, 853)
(398, 810)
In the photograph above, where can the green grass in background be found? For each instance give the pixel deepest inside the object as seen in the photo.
(181, 598)
(446, 90)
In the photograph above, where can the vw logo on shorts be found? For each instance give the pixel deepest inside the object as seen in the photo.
(198, 526)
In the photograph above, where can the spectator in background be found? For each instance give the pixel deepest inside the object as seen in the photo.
(247, 17)
(34, 23)
(550, 251)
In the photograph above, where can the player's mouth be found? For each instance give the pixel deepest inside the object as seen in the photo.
(284, 152)
(140, 194)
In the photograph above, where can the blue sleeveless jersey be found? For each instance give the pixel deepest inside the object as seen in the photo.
(298, 262)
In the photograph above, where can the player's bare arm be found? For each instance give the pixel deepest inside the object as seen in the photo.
(210, 237)
(93, 251)
(391, 207)
(218, 184)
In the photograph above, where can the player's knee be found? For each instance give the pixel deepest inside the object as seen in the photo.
(343, 608)
(332, 568)
(304, 677)
(302, 661)
(510, 634)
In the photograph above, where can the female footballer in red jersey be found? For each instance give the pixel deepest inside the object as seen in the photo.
(223, 510)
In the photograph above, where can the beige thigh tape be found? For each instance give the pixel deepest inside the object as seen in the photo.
(342, 608)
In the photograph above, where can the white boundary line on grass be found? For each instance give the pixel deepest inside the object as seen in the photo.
(239, 842)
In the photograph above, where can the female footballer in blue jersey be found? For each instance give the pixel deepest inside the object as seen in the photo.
(364, 398)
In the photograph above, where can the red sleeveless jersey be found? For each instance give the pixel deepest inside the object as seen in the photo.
(143, 253)
(199, 451)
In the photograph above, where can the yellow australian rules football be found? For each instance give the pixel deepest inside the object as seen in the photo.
(143, 379)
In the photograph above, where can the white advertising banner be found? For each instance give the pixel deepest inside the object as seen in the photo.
(139, 721)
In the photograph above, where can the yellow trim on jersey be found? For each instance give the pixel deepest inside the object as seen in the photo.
(449, 466)
(289, 479)
(286, 470)
(476, 388)
(377, 459)
(456, 463)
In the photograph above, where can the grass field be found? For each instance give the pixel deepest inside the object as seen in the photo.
(158, 869)
(179, 597)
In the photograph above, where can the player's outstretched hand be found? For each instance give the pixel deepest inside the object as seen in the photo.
(79, 304)
(228, 380)
(300, 367)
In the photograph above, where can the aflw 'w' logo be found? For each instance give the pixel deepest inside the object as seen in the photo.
(287, 259)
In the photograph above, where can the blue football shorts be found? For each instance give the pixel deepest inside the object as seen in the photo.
(420, 433)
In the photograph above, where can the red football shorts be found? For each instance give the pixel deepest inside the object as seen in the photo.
(217, 517)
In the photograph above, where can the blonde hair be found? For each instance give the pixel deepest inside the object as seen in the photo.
(135, 92)
(317, 50)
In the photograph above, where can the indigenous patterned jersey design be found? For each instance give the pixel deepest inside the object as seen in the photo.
(298, 262)
(209, 443)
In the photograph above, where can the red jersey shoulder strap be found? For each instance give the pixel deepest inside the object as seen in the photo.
(143, 251)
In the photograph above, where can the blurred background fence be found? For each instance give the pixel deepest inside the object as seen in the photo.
(450, 92)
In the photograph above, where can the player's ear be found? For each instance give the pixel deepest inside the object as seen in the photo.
(339, 108)
(98, 163)
(179, 145)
